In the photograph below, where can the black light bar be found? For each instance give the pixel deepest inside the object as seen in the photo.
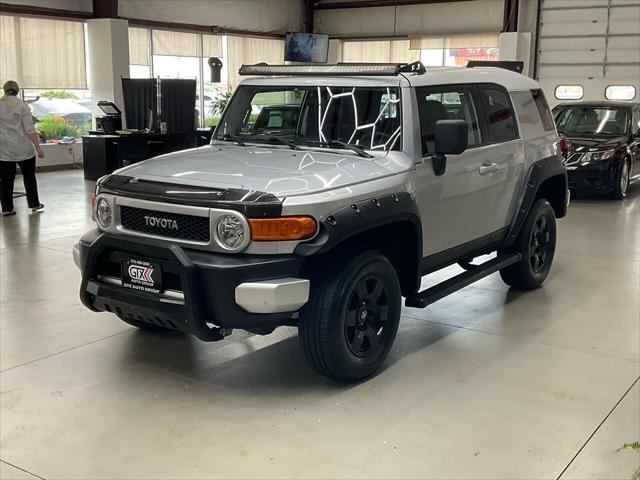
(338, 70)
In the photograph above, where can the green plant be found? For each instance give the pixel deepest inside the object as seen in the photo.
(220, 103)
(211, 121)
(58, 94)
(635, 446)
(53, 128)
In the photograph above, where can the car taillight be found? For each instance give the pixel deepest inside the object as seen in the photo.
(565, 146)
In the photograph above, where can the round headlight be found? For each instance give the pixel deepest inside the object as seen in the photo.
(103, 213)
(231, 232)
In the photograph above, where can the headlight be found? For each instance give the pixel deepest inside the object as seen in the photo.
(597, 156)
(103, 213)
(231, 232)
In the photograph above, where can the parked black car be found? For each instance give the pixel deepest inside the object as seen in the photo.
(604, 139)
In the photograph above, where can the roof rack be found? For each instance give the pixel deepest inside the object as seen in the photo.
(506, 64)
(335, 70)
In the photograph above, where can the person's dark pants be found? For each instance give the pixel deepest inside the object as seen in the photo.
(8, 176)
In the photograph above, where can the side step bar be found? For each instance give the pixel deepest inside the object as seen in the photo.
(453, 284)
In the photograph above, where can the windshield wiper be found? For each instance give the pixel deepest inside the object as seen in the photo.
(234, 138)
(349, 146)
(284, 141)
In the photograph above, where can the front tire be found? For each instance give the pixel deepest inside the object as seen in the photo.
(350, 322)
(623, 177)
(536, 243)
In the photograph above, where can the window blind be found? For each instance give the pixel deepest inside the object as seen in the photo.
(179, 44)
(138, 46)
(250, 50)
(379, 51)
(43, 53)
(476, 40)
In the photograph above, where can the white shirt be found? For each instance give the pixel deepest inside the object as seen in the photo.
(15, 124)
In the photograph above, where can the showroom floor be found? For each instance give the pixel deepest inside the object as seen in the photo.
(486, 383)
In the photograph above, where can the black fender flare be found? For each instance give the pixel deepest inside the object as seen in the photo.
(360, 217)
(538, 173)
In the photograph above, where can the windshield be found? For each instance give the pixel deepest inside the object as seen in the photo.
(322, 116)
(592, 120)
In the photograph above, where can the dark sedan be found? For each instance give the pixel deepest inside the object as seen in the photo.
(604, 139)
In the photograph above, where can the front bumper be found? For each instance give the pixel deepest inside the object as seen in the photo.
(597, 176)
(206, 294)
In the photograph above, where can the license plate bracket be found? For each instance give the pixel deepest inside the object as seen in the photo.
(141, 275)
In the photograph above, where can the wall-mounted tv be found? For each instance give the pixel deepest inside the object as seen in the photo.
(306, 47)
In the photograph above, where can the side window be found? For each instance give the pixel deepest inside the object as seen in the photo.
(543, 109)
(500, 117)
(446, 104)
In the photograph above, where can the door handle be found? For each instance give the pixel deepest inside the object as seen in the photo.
(487, 167)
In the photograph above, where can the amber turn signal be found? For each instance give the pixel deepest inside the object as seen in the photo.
(93, 205)
(282, 228)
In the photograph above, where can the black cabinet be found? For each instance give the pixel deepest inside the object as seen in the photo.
(100, 155)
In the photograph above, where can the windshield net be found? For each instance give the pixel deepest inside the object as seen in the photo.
(592, 120)
(362, 116)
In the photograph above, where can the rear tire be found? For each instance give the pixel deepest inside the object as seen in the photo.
(622, 180)
(350, 322)
(536, 243)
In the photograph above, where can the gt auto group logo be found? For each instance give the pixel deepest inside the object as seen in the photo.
(141, 274)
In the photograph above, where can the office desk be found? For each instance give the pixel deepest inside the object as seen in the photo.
(102, 154)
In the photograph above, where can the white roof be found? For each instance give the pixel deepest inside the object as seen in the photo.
(434, 76)
(448, 75)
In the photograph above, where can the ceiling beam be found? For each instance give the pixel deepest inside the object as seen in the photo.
(308, 15)
(377, 3)
(105, 8)
(510, 18)
(31, 11)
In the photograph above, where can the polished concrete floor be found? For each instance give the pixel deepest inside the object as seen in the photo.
(486, 383)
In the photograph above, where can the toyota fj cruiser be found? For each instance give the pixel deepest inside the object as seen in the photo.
(388, 173)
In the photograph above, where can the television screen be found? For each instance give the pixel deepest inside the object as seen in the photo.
(306, 47)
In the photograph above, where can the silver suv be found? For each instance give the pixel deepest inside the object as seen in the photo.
(326, 193)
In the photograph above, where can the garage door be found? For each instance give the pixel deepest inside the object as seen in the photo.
(589, 49)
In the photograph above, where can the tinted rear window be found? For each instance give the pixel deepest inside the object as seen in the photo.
(500, 118)
(543, 109)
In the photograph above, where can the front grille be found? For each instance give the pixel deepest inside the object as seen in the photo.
(165, 224)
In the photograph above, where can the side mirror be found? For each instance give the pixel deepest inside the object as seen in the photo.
(452, 137)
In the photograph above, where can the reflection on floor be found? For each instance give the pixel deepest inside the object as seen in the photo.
(486, 383)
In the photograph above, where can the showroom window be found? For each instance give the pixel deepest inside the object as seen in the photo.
(434, 51)
(185, 55)
(456, 50)
(56, 91)
(620, 92)
(382, 51)
(569, 92)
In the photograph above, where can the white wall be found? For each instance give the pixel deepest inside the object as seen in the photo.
(76, 5)
(455, 17)
(261, 15)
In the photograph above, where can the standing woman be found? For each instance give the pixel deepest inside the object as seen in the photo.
(17, 141)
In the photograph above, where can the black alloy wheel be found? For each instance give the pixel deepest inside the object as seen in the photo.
(539, 244)
(350, 322)
(536, 244)
(367, 313)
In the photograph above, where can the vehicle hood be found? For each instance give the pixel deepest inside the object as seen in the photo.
(593, 143)
(280, 171)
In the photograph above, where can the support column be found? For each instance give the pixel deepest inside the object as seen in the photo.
(516, 46)
(108, 57)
